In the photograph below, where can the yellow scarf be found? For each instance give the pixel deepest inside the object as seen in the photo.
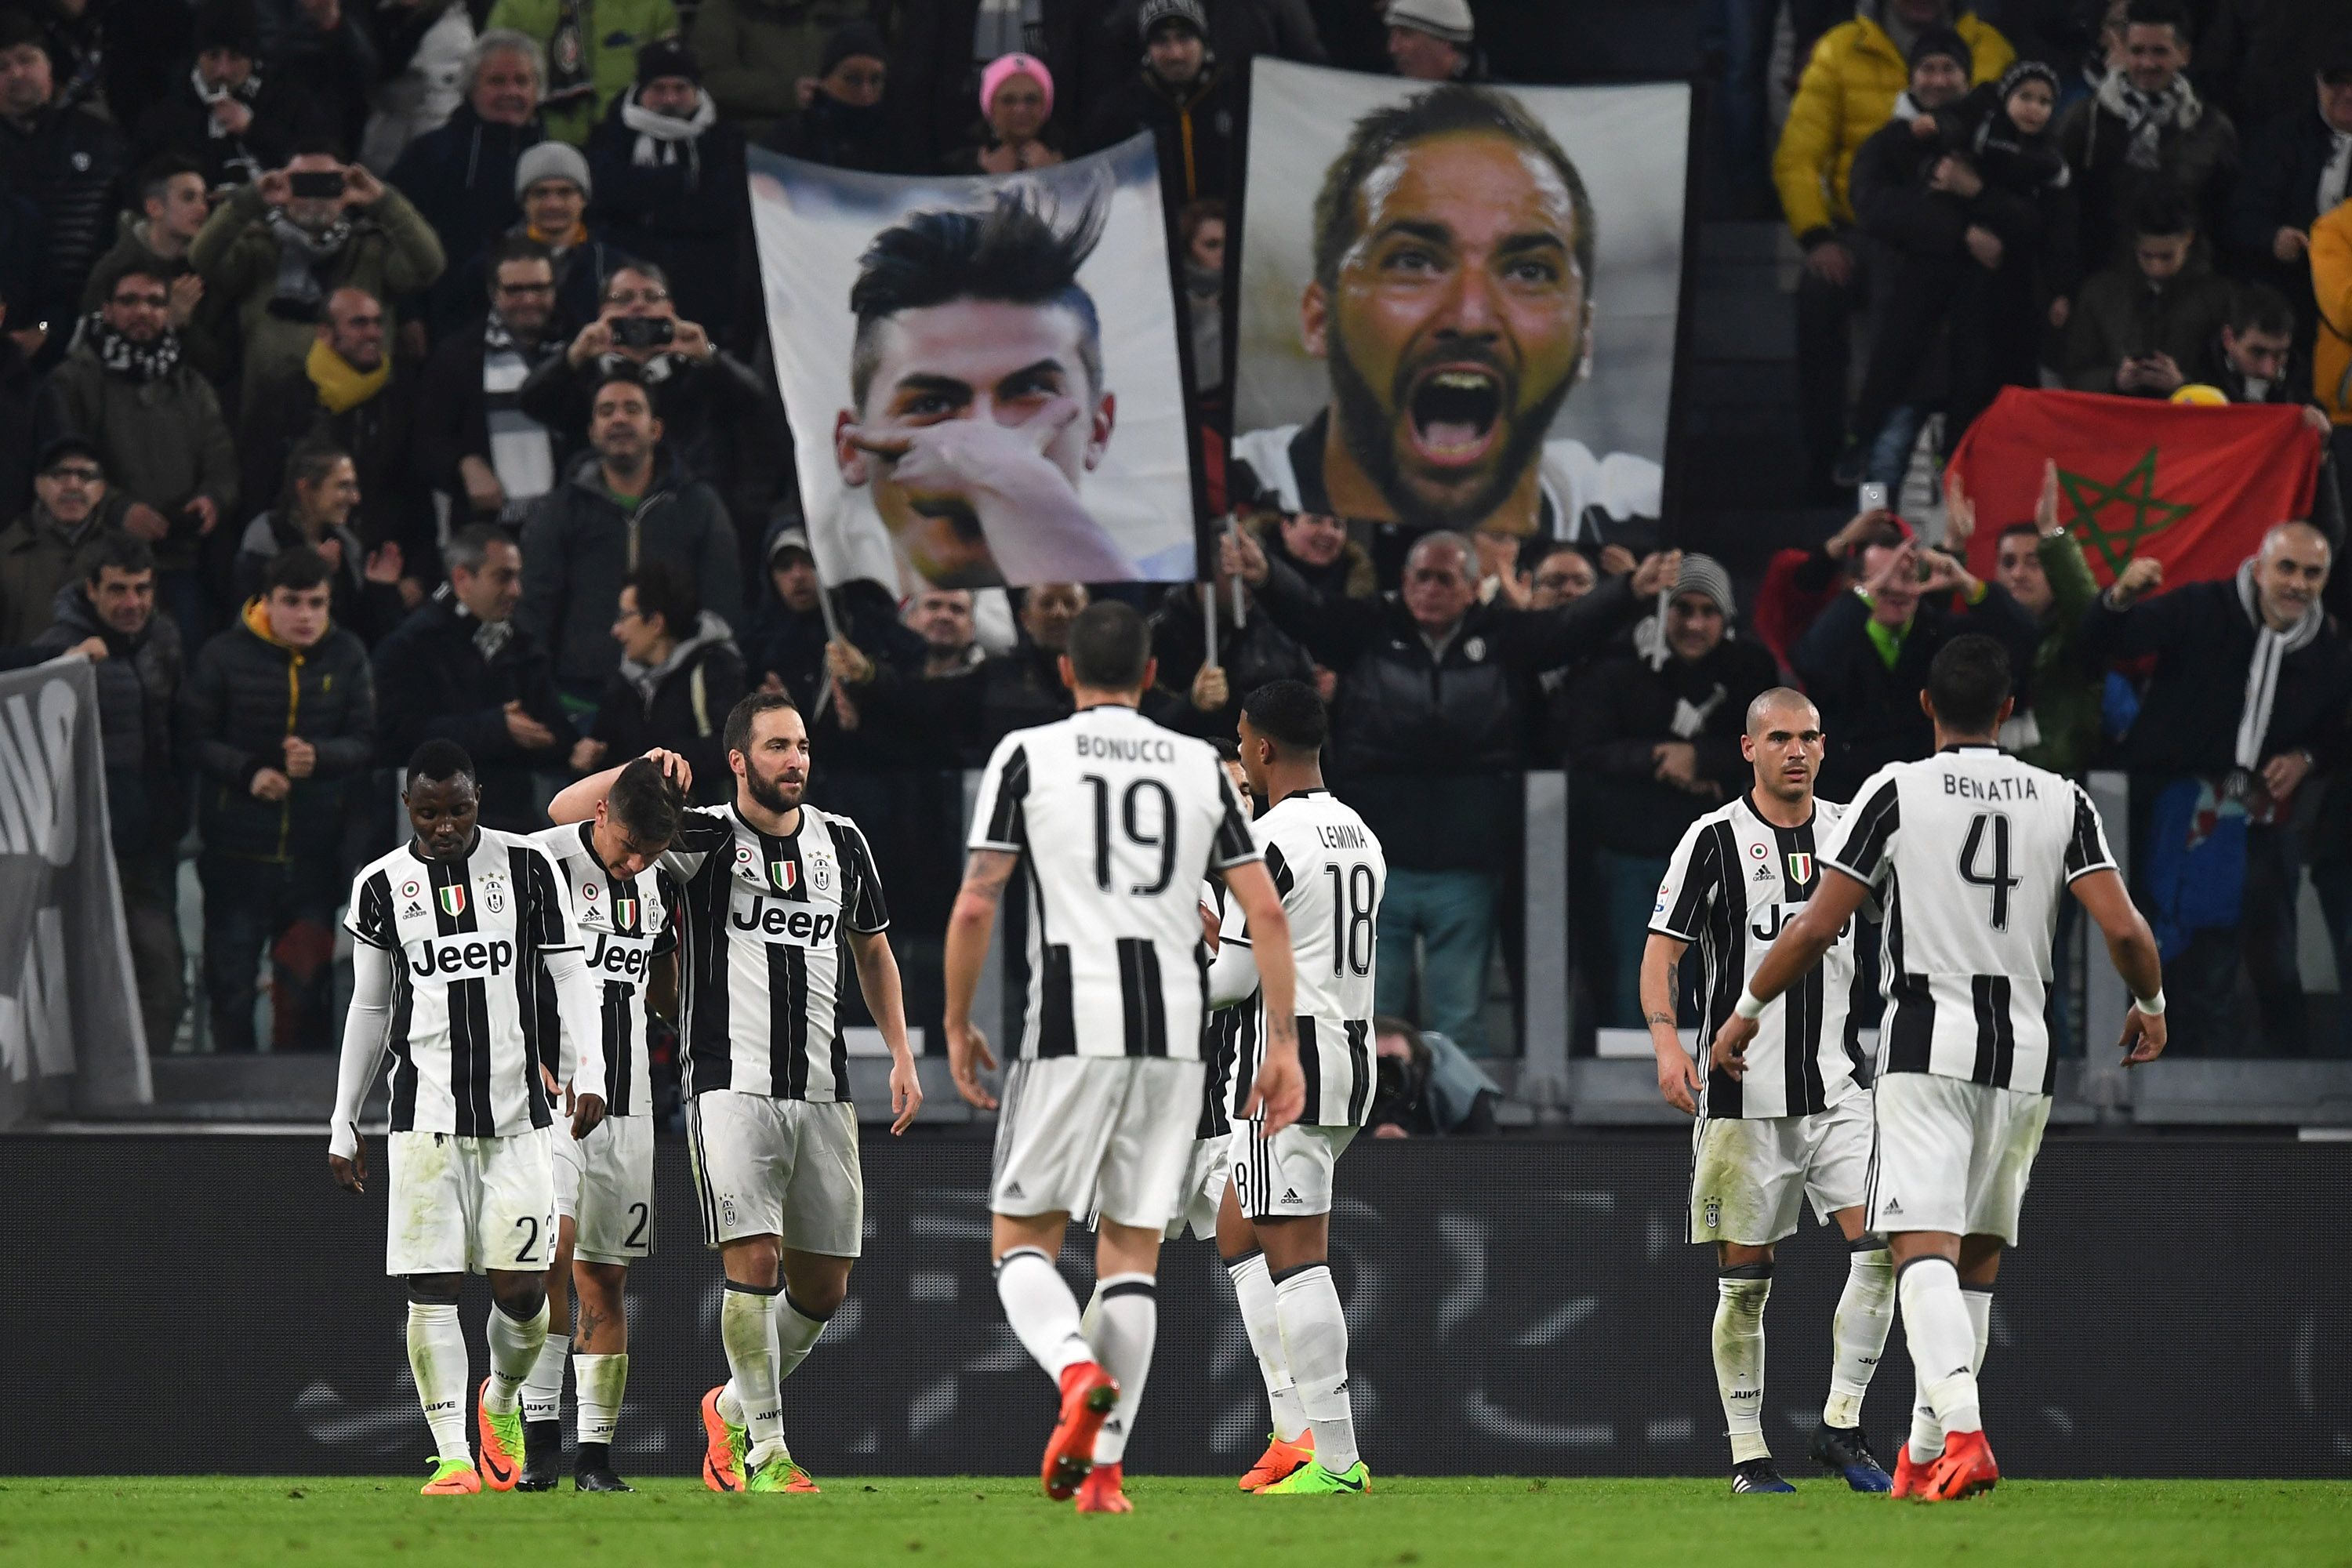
(340, 387)
(579, 236)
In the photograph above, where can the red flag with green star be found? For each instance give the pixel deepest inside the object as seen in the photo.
(2193, 486)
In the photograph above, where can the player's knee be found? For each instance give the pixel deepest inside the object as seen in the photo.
(817, 1300)
(434, 1289)
(752, 1261)
(520, 1296)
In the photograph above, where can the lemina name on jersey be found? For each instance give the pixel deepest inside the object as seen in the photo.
(763, 922)
(1732, 883)
(622, 925)
(467, 937)
(1970, 851)
(1330, 871)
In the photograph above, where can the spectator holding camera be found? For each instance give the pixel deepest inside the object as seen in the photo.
(670, 183)
(277, 249)
(1426, 1087)
(2140, 326)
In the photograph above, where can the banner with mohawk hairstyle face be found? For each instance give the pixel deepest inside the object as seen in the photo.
(1458, 304)
(983, 375)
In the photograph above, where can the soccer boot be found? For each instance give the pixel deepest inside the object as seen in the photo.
(502, 1436)
(779, 1474)
(1100, 1493)
(1966, 1469)
(1910, 1474)
(1279, 1460)
(1843, 1451)
(1757, 1476)
(542, 1457)
(722, 1456)
(452, 1477)
(1311, 1479)
(599, 1479)
(1088, 1393)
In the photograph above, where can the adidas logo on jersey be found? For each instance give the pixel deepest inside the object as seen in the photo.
(1764, 874)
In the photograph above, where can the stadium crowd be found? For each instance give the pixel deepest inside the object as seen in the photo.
(391, 369)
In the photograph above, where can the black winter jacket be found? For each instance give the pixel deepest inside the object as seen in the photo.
(70, 166)
(681, 706)
(1614, 716)
(462, 178)
(138, 684)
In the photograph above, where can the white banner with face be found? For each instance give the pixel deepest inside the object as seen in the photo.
(982, 374)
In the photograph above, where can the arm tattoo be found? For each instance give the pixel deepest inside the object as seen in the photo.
(1666, 1018)
(985, 874)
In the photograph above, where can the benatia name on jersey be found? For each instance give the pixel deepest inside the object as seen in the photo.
(2018, 788)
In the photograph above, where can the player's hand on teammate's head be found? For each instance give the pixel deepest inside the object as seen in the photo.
(2144, 1037)
(587, 1111)
(906, 1095)
(350, 1175)
(674, 767)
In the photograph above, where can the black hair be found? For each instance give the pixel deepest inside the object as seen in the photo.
(664, 590)
(311, 464)
(108, 279)
(156, 176)
(1014, 253)
(1289, 713)
(645, 803)
(1443, 111)
(1228, 750)
(1968, 681)
(2163, 208)
(314, 144)
(113, 547)
(1109, 645)
(644, 270)
(741, 717)
(625, 374)
(2159, 14)
(2259, 308)
(298, 568)
(2028, 530)
(512, 247)
(438, 760)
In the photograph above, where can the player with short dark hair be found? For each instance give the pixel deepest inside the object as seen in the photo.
(450, 932)
(1117, 821)
(1969, 851)
(1797, 1124)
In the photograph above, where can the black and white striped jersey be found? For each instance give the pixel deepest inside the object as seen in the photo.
(1733, 882)
(1330, 871)
(1230, 1029)
(1970, 851)
(762, 930)
(623, 923)
(1116, 821)
(466, 938)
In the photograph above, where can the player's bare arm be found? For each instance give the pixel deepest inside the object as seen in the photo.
(970, 924)
(1279, 1093)
(2137, 958)
(1799, 946)
(577, 800)
(878, 978)
(1679, 1075)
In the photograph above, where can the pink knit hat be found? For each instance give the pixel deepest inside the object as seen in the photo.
(1004, 65)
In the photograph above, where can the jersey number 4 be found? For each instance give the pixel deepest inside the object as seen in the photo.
(1351, 920)
(1998, 878)
(1161, 838)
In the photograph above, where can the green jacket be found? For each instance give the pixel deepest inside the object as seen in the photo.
(2065, 693)
(754, 53)
(613, 30)
(391, 253)
(164, 441)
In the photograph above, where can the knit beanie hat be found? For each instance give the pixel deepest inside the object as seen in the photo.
(1003, 68)
(1155, 12)
(850, 41)
(668, 57)
(1945, 42)
(551, 161)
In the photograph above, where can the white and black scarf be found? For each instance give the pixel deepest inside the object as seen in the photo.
(660, 136)
(2272, 650)
(301, 254)
(522, 453)
(2148, 115)
(2335, 174)
(133, 361)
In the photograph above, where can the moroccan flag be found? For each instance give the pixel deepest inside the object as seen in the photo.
(2193, 486)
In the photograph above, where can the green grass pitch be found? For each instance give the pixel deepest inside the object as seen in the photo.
(673, 1523)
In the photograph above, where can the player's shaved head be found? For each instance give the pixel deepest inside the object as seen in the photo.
(1969, 685)
(1781, 700)
(1109, 647)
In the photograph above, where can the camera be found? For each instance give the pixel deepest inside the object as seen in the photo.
(643, 332)
(320, 184)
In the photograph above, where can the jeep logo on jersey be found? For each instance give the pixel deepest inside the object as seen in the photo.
(452, 900)
(459, 959)
(1800, 866)
(800, 926)
(623, 956)
(784, 874)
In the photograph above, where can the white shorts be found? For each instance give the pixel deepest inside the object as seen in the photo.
(1204, 1189)
(1749, 1177)
(785, 1168)
(605, 1185)
(1289, 1176)
(1109, 1136)
(468, 1206)
(1953, 1156)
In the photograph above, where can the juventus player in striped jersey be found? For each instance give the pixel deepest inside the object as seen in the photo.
(604, 1183)
(777, 902)
(449, 933)
(1969, 851)
(1797, 1124)
(1114, 821)
(1273, 1229)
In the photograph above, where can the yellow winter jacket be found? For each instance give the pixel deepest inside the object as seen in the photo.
(1849, 90)
(2331, 280)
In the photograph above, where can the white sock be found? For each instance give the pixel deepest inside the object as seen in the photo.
(1926, 1432)
(1858, 1333)
(1253, 1292)
(747, 1327)
(796, 1335)
(542, 1391)
(514, 1346)
(1043, 1313)
(437, 1360)
(1315, 1346)
(1740, 1299)
(1942, 1342)
(1127, 1325)
(603, 1379)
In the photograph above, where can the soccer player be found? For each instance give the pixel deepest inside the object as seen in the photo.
(1799, 1124)
(773, 893)
(1117, 821)
(1969, 851)
(450, 932)
(621, 903)
(1273, 1229)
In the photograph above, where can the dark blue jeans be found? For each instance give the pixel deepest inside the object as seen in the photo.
(283, 909)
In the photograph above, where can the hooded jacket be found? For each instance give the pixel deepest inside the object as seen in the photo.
(247, 692)
(137, 685)
(681, 704)
(581, 546)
